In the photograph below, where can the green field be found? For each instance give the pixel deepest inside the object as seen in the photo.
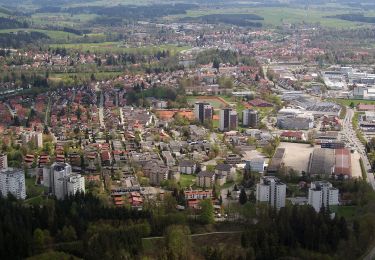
(276, 16)
(347, 102)
(63, 19)
(215, 103)
(119, 47)
(55, 35)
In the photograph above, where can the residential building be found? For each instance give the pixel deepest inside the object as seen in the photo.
(193, 197)
(226, 170)
(61, 181)
(187, 167)
(322, 194)
(250, 118)
(35, 137)
(203, 111)
(12, 181)
(228, 119)
(3, 161)
(159, 174)
(205, 179)
(271, 190)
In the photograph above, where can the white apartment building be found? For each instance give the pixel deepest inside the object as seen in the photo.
(322, 194)
(228, 119)
(61, 181)
(36, 137)
(271, 190)
(203, 111)
(12, 181)
(3, 161)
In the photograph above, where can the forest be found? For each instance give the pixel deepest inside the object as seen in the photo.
(20, 39)
(7, 23)
(354, 18)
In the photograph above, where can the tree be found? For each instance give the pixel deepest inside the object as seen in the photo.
(67, 234)
(178, 242)
(207, 212)
(216, 64)
(243, 197)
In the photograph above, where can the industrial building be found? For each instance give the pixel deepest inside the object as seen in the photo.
(327, 162)
(322, 162)
(343, 166)
(276, 161)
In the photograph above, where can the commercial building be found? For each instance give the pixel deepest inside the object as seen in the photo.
(203, 111)
(61, 182)
(12, 181)
(322, 194)
(271, 190)
(3, 161)
(250, 118)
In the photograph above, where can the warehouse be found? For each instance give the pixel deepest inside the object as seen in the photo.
(276, 161)
(322, 162)
(343, 166)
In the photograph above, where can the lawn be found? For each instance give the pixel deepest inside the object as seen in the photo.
(347, 212)
(34, 192)
(187, 180)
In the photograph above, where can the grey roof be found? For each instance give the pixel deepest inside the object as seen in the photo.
(187, 163)
(206, 174)
(223, 167)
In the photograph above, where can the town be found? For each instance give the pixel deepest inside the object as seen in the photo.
(185, 121)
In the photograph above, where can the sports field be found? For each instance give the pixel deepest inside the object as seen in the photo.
(215, 102)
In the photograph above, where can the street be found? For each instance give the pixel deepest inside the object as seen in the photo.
(351, 135)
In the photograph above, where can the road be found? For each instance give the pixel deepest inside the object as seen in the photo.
(198, 235)
(351, 135)
(46, 117)
(101, 111)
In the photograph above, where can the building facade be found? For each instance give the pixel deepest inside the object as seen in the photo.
(228, 120)
(250, 118)
(3, 161)
(203, 112)
(12, 181)
(322, 194)
(61, 182)
(271, 190)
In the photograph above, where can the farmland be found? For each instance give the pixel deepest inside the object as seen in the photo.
(119, 47)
